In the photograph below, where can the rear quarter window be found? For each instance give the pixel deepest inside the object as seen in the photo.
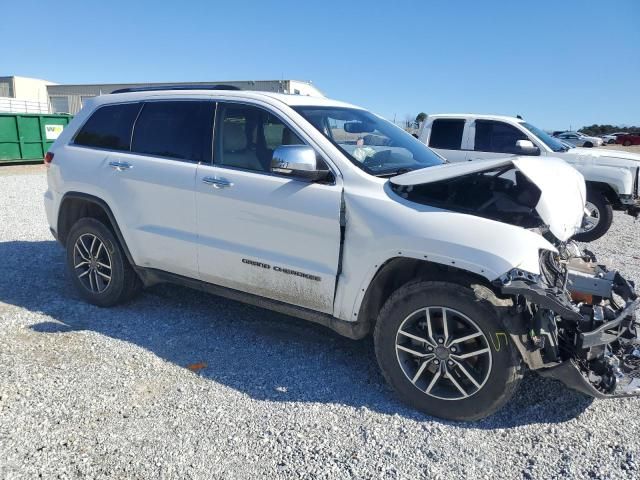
(446, 133)
(109, 127)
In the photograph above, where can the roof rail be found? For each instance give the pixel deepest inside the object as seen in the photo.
(175, 87)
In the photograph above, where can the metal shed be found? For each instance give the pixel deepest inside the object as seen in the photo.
(69, 98)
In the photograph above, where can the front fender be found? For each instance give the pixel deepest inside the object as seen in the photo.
(379, 228)
(619, 178)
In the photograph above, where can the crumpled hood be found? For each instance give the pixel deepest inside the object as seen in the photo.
(562, 187)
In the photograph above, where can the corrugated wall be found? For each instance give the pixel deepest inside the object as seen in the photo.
(75, 93)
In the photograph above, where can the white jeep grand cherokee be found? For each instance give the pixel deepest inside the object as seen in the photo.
(325, 211)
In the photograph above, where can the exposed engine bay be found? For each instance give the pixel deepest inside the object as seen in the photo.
(503, 194)
(579, 322)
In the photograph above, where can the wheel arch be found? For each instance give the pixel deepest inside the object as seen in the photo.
(77, 205)
(399, 271)
(606, 189)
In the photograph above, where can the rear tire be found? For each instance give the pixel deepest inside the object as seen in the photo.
(588, 145)
(470, 385)
(601, 214)
(627, 143)
(98, 266)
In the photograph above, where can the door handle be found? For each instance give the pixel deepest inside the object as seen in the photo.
(120, 166)
(217, 182)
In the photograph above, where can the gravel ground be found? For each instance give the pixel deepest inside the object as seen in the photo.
(180, 384)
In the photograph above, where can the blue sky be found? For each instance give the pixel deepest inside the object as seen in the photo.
(557, 63)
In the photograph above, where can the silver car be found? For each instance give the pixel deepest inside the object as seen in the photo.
(578, 139)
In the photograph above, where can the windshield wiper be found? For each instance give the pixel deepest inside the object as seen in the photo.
(393, 173)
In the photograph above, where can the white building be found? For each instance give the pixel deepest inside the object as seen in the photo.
(24, 95)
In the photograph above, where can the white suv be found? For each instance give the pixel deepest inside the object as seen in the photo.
(325, 211)
(611, 175)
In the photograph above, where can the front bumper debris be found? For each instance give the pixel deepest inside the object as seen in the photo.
(569, 373)
(580, 322)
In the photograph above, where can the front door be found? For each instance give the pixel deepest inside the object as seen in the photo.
(263, 233)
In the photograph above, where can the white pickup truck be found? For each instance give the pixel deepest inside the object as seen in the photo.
(319, 209)
(611, 175)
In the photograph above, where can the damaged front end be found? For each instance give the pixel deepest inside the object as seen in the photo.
(576, 322)
(573, 319)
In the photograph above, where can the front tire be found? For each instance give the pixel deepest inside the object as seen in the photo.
(445, 351)
(627, 143)
(599, 218)
(588, 145)
(99, 269)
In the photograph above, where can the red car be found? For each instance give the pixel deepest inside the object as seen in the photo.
(628, 139)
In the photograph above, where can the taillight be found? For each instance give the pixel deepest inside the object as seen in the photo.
(48, 158)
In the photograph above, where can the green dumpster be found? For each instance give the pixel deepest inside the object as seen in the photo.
(27, 136)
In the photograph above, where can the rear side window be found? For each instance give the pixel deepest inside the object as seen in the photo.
(109, 127)
(498, 137)
(446, 133)
(176, 129)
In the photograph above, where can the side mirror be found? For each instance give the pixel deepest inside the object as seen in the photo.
(526, 147)
(298, 161)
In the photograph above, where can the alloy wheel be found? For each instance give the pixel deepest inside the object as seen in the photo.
(592, 218)
(443, 353)
(92, 263)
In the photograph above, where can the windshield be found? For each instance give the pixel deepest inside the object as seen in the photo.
(551, 142)
(375, 145)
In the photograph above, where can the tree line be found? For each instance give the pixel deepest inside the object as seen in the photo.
(597, 130)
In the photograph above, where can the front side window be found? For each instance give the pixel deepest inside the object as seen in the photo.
(551, 142)
(446, 133)
(247, 136)
(370, 142)
(175, 129)
(109, 127)
(498, 137)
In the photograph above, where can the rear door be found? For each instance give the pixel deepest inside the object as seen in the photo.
(150, 177)
(263, 233)
(447, 137)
